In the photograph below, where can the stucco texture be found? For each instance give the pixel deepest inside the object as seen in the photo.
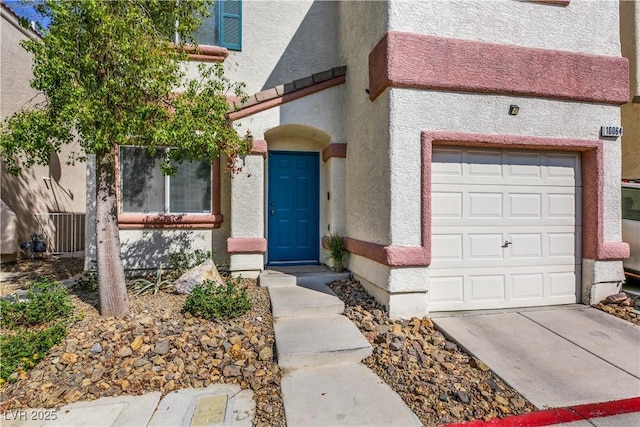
(283, 41)
(362, 24)
(582, 26)
(58, 187)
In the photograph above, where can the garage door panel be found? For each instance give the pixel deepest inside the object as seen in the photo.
(527, 286)
(447, 205)
(523, 165)
(525, 245)
(562, 284)
(472, 205)
(485, 205)
(449, 247)
(563, 168)
(453, 165)
(524, 205)
(485, 246)
(483, 164)
(561, 205)
(488, 288)
(562, 245)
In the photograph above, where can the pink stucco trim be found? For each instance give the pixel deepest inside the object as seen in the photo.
(135, 221)
(441, 63)
(593, 244)
(334, 150)
(205, 53)
(287, 97)
(259, 147)
(246, 245)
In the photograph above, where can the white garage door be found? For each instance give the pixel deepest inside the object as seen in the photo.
(506, 228)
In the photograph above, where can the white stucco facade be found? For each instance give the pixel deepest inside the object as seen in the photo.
(369, 126)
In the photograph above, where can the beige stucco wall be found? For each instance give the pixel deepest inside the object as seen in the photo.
(630, 41)
(307, 124)
(55, 188)
(362, 24)
(282, 41)
(582, 26)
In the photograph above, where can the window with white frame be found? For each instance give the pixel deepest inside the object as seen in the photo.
(145, 190)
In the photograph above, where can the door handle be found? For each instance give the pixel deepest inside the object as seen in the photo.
(506, 244)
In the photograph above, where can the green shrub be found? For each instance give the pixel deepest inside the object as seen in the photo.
(180, 262)
(220, 301)
(23, 350)
(46, 301)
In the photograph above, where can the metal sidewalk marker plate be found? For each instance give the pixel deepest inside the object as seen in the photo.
(210, 411)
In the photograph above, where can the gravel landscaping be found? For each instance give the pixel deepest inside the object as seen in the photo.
(154, 348)
(437, 380)
(158, 348)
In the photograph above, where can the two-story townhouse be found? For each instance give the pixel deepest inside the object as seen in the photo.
(455, 145)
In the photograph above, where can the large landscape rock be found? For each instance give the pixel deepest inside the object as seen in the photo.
(196, 276)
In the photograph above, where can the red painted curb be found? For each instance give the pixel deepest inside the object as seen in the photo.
(560, 415)
(606, 409)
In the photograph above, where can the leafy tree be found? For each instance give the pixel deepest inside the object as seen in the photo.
(110, 75)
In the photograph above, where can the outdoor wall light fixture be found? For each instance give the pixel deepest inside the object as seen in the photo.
(513, 110)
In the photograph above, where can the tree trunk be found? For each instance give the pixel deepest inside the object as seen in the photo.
(114, 300)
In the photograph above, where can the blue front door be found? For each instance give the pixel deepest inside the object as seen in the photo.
(293, 203)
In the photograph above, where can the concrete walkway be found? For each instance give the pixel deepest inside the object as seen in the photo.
(555, 357)
(219, 405)
(320, 352)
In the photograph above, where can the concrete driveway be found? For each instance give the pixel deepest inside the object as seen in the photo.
(554, 356)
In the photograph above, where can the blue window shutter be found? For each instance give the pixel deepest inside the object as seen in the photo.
(231, 24)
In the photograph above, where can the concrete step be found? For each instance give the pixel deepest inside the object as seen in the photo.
(322, 278)
(346, 395)
(268, 279)
(302, 301)
(318, 341)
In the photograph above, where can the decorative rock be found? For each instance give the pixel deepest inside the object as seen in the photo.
(162, 347)
(266, 353)
(69, 358)
(96, 348)
(137, 343)
(396, 344)
(478, 364)
(231, 371)
(616, 298)
(464, 396)
(97, 374)
(125, 352)
(196, 276)
(449, 346)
